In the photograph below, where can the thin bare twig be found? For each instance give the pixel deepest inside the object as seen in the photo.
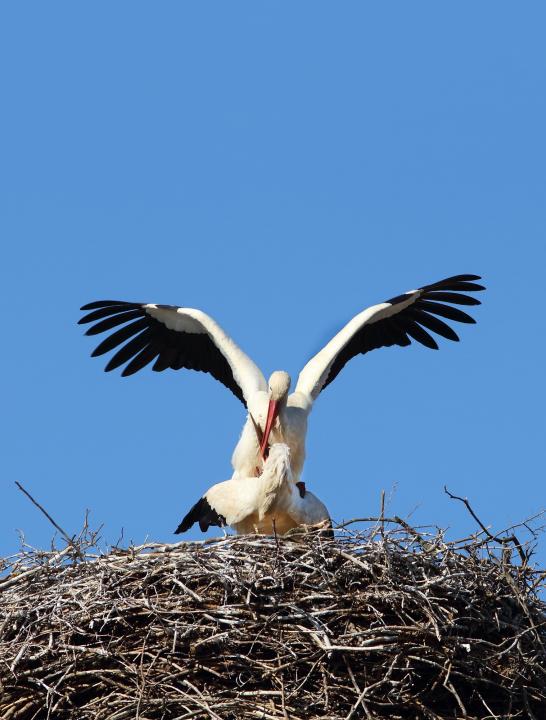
(45, 512)
(512, 539)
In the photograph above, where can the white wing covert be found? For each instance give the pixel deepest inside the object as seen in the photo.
(174, 337)
(392, 322)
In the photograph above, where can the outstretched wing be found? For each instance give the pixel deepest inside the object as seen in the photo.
(173, 337)
(393, 322)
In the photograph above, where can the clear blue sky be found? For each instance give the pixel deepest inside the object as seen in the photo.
(281, 166)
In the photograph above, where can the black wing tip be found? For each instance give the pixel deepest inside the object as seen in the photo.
(433, 300)
(456, 298)
(122, 374)
(111, 366)
(457, 283)
(466, 277)
(96, 304)
(204, 514)
(92, 305)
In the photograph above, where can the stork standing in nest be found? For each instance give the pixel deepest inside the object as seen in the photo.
(270, 503)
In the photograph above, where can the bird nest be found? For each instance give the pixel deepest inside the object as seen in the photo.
(382, 623)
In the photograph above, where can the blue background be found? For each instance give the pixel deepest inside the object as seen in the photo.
(281, 166)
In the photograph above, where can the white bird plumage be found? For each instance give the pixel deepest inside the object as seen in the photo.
(176, 337)
(265, 504)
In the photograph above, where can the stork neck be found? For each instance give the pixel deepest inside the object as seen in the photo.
(276, 473)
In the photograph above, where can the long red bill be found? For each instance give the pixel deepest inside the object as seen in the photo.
(272, 412)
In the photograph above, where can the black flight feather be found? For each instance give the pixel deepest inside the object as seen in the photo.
(411, 320)
(202, 513)
(147, 338)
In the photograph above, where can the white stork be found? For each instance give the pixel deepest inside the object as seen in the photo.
(180, 337)
(271, 503)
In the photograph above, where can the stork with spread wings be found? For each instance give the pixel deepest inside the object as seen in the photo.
(179, 337)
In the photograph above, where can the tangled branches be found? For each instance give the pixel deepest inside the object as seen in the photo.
(385, 623)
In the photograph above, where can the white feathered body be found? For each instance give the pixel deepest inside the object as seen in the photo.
(268, 503)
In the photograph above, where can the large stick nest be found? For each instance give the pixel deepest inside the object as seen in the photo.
(380, 624)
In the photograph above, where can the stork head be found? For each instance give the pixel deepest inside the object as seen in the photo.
(279, 385)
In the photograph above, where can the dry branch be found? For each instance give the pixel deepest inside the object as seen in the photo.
(390, 623)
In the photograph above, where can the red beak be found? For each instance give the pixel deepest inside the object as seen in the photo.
(272, 412)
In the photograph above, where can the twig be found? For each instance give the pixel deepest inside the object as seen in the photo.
(382, 514)
(66, 536)
(503, 540)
